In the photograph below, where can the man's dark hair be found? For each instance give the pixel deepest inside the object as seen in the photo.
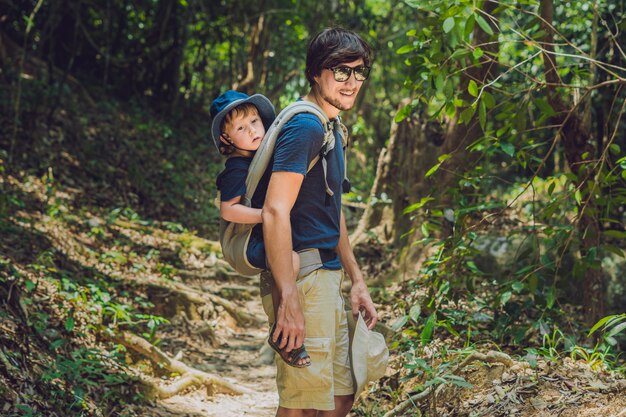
(332, 47)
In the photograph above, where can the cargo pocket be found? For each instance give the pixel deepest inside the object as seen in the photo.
(307, 283)
(317, 376)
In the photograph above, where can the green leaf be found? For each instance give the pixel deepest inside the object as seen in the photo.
(427, 333)
(615, 149)
(448, 24)
(533, 283)
(517, 286)
(471, 265)
(505, 297)
(444, 157)
(469, 26)
(482, 114)
(432, 170)
(30, 285)
(550, 298)
(451, 329)
(544, 107)
(508, 148)
(472, 88)
(415, 312)
(614, 249)
(577, 197)
(551, 188)
(531, 359)
(615, 233)
(490, 102)
(414, 3)
(477, 53)
(399, 323)
(405, 49)
(483, 24)
(458, 381)
(57, 343)
(417, 206)
(451, 110)
(439, 83)
(459, 53)
(600, 324)
(403, 113)
(69, 324)
(466, 115)
(617, 329)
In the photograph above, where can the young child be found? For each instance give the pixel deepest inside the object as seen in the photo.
(238, 127)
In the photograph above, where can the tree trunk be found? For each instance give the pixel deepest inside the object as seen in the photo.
(411, 151)
(576, 140)
(249, 82)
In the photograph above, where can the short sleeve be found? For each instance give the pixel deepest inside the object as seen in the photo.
(298, 143)
(232, 181)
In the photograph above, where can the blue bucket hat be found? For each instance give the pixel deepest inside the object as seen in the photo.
(231, 99)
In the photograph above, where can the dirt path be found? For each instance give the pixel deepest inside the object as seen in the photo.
(241, 358)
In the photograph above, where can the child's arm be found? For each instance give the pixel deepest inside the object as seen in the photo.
(234, 212)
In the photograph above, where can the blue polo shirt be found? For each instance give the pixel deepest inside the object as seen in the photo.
(315, 216)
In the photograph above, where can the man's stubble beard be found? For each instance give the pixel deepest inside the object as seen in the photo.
(333, 102)
(336, 104)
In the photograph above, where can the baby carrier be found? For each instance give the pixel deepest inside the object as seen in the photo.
(234, 237)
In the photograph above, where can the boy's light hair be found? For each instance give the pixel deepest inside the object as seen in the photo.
(242, 110)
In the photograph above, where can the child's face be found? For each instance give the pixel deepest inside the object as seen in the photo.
(246, 131)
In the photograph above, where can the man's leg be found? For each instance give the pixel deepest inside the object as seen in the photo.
(343, 405)
(290, 412)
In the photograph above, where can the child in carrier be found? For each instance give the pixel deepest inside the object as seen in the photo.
(238, 126)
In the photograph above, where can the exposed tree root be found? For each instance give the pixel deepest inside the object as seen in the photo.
(490, 357)
(199, 298)
(190, 377)
(190, 239)
(221, 269)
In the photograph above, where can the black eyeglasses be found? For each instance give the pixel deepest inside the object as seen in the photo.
(343, 73)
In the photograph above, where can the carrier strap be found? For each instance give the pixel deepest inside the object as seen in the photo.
(266, 150)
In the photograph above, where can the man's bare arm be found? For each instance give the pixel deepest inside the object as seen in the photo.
(359, 294)
(282, 192)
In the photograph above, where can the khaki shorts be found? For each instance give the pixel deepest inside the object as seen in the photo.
(329, 375)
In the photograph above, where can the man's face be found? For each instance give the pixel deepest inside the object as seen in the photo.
(340, 95)
(246, 131)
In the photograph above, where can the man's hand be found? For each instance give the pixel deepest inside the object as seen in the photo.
(282, 193)
(361, 301)
(290, 328)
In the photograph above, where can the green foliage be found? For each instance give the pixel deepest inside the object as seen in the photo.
(73, 377)
(612, 326)
(436, 370)
(511, 187)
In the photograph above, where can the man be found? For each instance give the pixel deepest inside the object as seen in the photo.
(302, 211)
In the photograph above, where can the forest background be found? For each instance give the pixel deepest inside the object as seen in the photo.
(486, 157)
